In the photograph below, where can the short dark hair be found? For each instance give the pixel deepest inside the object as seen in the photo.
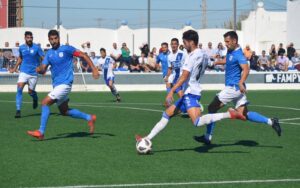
(231, 34)
(102, 50)
(175, 39)
(191, 35)
(53, 32)
(164, 43)
(28, 33)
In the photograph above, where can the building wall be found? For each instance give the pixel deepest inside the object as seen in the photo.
(293, 24)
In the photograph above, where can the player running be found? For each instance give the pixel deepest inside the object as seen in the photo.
(29, 59)
(60, 58)
(236, 73)
(163, 59)
(193, 68)
(175, 61)
(107, 64)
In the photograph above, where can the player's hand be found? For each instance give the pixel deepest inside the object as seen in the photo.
(169, 98)
(12, 70)
(38, 70)
(242, 88)
(96, 73)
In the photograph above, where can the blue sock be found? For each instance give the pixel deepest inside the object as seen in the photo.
(209, 130)
(19, 97)
(168, 90)
(34, 96)
(44, 118)
(74, 113)
(256, 117)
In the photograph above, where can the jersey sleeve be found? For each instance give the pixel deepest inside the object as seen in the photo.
(188, 65)
(20, 53)
(169, 63)
(241, 59)
(158, 59)
(46, 60)
(70, 50)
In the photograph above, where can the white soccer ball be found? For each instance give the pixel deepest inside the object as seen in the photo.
(144, 146)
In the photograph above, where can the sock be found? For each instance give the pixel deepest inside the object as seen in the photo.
(258, 118)
(114, 90)
(34, 96)
(209, 130)
(210, 118)
(74, 113)
(44, 118)
(159, 126)
(168, 90)
(19, 97)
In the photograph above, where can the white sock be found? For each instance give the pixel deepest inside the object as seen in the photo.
(158, 127)
(210, 118)
(270, 122)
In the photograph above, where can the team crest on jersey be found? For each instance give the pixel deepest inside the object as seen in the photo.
(230, 58)
(61, 54)
(31, 51)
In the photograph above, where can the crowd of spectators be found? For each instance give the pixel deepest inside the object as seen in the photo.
(277, 59)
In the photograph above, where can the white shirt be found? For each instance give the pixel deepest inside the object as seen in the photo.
(141, 60)
(116, 52)
(210, 52)
(176, 60)
(195, 64)
(107, 66)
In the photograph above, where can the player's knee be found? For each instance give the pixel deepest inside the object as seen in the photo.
(63, 112)
(214, 106)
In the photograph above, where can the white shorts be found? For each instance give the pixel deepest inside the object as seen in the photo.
(60, 93)
(29, 79)
(232, 94)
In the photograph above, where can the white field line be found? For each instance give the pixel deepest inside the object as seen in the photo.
(288, 123)
(289, 119)
(180, 183)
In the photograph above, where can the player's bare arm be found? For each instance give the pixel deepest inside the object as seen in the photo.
(220, 62)
(183, 78)
(244, 77)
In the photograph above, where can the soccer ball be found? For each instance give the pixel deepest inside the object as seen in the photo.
(143, 146)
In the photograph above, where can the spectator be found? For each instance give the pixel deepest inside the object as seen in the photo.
(151, 61)
(15, 50)
(290, 51)
(282, 63)
(47, 48)
(210, 52)
(125, 59)
(3, 61)
(281, 50)
(273, 55)
(221, 51)
(86, 47)
(181, 47)
(116, 53)
(253, 61)
(145, 49)
(247, 52)
(296, 61)
(7, 52)
(84, 65)
(6, 45)
(154, 51)
(94, 59)
(134, 66)
(200, 47)
(143, 61)
(263, 62)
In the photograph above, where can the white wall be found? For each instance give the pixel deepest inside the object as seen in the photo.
(293, 24)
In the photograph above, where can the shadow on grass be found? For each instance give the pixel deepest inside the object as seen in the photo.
(207, 148)
(38, 114)
(78, 135)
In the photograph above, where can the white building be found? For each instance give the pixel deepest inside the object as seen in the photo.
(261, 29)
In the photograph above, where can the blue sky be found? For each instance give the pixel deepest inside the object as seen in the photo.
(103, 13)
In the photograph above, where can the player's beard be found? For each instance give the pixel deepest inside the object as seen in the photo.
(29, 43)
(55, 45)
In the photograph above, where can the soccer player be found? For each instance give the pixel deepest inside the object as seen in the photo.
(163, 59)
(175, 61)
(193, 69)
(236, 73)
(60, 58)
(107, 64)
(29, 59)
